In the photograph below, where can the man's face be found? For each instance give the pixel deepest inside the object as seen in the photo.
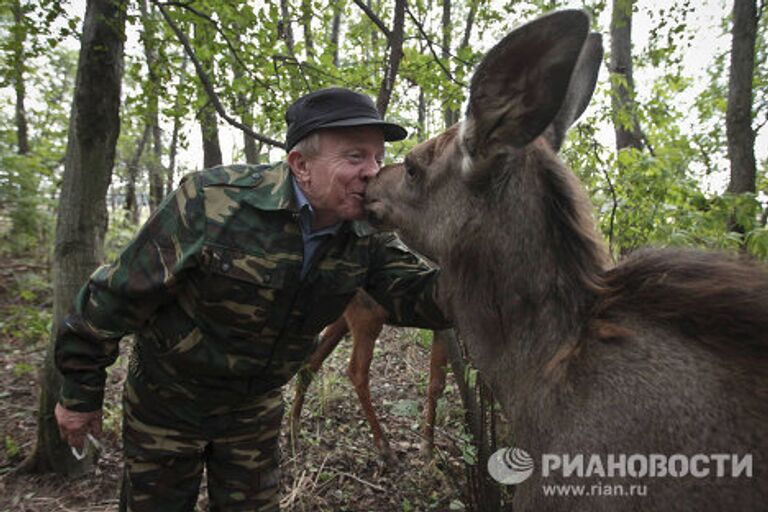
(334, 180)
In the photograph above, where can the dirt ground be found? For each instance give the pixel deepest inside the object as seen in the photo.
(335, 467)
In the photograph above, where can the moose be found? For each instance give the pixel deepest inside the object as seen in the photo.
(663, 353)
(364, 318)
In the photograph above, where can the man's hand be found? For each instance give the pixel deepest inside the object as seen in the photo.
(73, 425)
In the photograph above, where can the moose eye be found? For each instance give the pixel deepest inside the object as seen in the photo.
(410, 170)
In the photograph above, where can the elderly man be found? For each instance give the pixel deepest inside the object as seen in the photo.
(226, 287)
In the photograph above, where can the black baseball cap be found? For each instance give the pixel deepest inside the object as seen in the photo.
(335, 107)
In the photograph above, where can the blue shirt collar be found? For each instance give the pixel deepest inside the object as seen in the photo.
(307, 214)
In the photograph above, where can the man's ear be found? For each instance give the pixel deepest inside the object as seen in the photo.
(298, 164)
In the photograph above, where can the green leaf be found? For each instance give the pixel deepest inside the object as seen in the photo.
(405, 408)
(11, 446)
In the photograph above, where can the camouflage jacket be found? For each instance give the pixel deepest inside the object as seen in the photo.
(210, 286)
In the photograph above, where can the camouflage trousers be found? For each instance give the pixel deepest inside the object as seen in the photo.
(169, 440)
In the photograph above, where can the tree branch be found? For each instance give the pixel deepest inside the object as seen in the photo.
(206, 82)
(187, 6)
(285, 33)
(375, 19)
(758, 109)
(697, 140)
(318, 71)
(431, 45)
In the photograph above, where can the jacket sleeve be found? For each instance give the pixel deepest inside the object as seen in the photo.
(118, 299)
(404, 284)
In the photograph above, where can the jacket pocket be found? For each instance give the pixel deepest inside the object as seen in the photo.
(235, 298)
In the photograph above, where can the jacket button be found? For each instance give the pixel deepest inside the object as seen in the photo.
(225, 267)
(267, 278)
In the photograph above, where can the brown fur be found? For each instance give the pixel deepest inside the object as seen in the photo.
(664, 353)
(714, 299)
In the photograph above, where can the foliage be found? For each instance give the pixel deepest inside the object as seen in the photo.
(28, 317)
(660, 195)
(27, 178)
(663, 194)
(11, 446)
(407, 407)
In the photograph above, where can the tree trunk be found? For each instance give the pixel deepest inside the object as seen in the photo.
(20, 35)
(421, 130)
(153, 106)
(738, 120)
(452, 115)
(209, 126)
(177, 118)
(286, 31)
(306, 20)
(210, 133)
(131, 196)
(448, 113)
(250, 147)
(245, 110)
(335, 32)
(82, 217)
(24, 216)
(470, 22)
(395, 56)
(172, 151)
(625, 123)
(374, 40)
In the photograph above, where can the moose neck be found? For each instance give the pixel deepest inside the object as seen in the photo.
(533, 274)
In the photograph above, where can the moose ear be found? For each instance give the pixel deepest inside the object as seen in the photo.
(580, 89)
(521, 83)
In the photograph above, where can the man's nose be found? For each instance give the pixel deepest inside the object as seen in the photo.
(371, 168)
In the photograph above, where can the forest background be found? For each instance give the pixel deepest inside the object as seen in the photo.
(105, 104)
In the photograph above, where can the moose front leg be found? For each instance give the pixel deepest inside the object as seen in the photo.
(331, 337)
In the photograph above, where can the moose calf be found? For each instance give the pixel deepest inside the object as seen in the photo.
(663, 354)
